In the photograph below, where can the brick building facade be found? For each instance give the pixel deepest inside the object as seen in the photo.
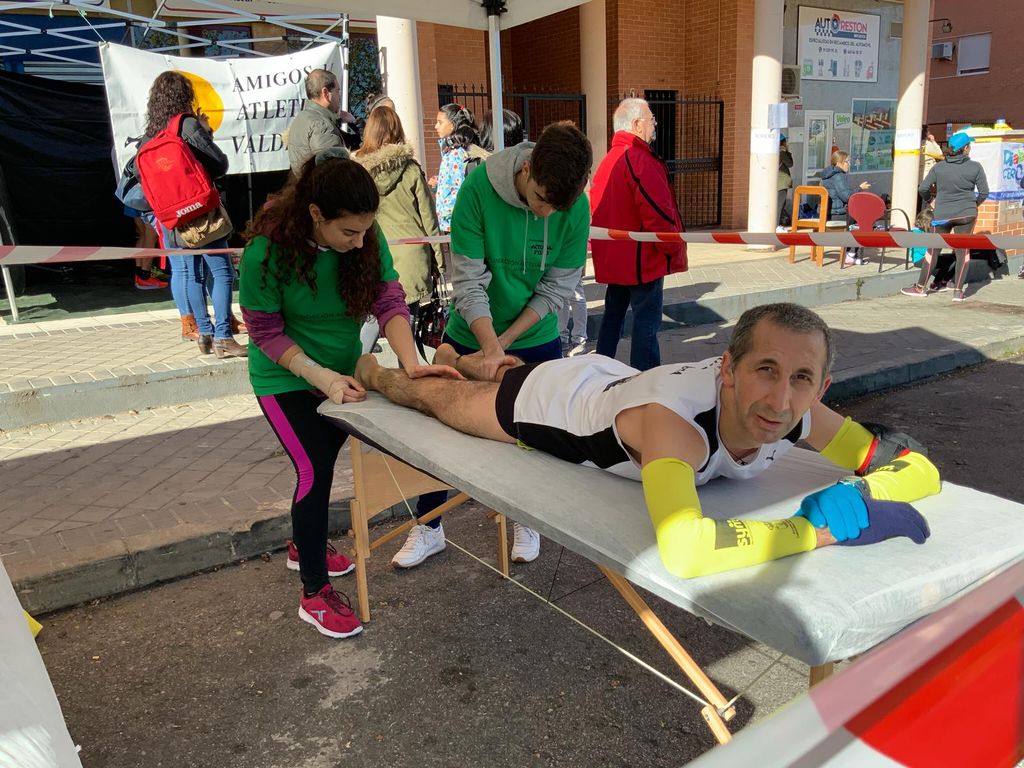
(964, 84)
(694, 48)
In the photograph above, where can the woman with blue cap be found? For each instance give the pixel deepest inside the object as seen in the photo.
(960, 188)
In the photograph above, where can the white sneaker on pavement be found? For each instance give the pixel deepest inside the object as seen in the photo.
(525, 544)
(422, 542)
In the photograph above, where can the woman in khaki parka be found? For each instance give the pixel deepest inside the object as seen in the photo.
(406, 207)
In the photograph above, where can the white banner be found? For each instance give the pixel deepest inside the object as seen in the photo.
(250, 102)
(838, 45)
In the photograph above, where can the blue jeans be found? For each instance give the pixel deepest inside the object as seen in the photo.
(179, 281)
(646, 299)
(193, 272)
(181, 273)
(552, 350)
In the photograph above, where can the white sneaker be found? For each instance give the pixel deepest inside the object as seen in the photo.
(422, 542)
(525, 544)
(577, 348)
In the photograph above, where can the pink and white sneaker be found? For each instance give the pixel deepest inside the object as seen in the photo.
(337, 563)
(330, 612)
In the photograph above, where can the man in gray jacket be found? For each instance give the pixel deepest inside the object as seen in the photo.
(317, 127)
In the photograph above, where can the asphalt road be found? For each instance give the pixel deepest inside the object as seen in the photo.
(458, 668)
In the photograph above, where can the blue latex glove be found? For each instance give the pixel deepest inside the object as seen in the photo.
(888, 519)
(841, 507)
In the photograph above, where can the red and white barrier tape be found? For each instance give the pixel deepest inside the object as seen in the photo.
(866, 238)
(11, 255)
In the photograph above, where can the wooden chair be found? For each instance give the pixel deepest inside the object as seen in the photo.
(818, 224)
(379, 482)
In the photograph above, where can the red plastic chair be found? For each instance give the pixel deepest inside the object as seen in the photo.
(865, 208)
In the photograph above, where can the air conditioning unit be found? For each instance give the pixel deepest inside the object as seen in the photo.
(943, 51)
(896, 30)
(790, 80)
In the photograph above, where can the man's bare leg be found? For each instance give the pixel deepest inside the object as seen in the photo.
(469, 365)
(467, 406)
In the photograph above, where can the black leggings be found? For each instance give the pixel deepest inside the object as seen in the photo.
(313, 444)
(963, 258)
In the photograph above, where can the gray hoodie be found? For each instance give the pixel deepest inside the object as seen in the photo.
(960, 187)
(471, 277)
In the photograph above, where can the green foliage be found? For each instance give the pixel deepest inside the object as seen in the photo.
(363, 73)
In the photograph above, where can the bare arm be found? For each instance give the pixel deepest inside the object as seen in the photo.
(526, 320)
(825, 425)
(398, 332)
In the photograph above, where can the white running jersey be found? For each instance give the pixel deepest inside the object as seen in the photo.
(568, 407)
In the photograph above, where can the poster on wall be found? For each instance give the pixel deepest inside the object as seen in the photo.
(838, 45)
(871, 135)
(818, 152)
(1003, 162)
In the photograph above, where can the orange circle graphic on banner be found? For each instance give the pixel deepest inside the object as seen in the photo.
(208, 101)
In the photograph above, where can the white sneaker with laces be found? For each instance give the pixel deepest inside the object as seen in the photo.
(422, 542)
(525, 544)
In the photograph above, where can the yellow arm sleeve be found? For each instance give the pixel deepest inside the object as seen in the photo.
(906, 478)
(851, 447)
(693, 545)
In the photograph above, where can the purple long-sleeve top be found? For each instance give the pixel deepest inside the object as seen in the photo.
(266, 329)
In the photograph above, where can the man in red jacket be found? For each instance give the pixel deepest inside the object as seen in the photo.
(631, 191)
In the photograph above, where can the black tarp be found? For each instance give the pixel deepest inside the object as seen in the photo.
(55, 144)
(55, 151)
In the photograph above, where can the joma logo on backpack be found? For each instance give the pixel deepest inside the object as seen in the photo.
(187, 209)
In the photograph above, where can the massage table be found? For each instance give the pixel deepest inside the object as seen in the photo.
(32, 729)
(819, 607)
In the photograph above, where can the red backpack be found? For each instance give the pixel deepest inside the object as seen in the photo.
(175, 183)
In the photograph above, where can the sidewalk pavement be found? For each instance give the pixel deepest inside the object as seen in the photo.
(86, 367)
(121, 498)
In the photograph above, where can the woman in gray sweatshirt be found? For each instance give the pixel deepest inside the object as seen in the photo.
(960, 188)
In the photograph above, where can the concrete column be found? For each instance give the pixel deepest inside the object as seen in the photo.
(494, 60)
(766, 89)
(400, 72)
(594, 74)
(910, 109)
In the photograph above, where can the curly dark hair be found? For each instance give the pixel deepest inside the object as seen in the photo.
(171, 94)
(465, 133)
(338, 186)
(560, 163)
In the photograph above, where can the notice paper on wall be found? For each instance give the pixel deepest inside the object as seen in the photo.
(778, 115)
(764, 141)
(908, 138)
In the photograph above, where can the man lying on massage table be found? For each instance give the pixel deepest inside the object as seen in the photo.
(675, 427)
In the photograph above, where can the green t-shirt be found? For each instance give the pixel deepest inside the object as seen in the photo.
(318, 324)
(511, 242)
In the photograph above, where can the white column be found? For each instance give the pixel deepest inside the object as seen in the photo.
(910, 109)
(400, 71)
(594, 74)
(494, 58)
(766, 89)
